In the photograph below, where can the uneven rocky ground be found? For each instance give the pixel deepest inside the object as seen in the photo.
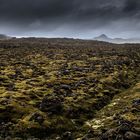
(120, 119)
(64, 89)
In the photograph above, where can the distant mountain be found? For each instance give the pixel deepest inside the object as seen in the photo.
(2, 36)
(105, 38)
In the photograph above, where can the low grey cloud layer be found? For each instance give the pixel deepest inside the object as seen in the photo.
(70, 18)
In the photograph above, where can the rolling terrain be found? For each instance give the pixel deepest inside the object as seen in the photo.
(66, 89)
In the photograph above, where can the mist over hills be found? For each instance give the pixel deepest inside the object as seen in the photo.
(105, 38)
(3, 36)
(102, 37)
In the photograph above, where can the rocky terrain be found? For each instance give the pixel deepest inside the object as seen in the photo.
(65, 89)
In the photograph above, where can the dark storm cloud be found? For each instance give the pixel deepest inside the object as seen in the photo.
(50, 15)
(131, 6)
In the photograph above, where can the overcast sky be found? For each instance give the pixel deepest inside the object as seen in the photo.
(70, 18)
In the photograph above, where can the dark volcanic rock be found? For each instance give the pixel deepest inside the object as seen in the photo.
(136, 102)
(37, 118)
(110, 134)
(131, 136)
(51, 104)
(67, 136)
(125, 126)
(63, 90)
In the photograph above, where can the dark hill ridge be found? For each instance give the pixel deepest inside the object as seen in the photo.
(3, 36)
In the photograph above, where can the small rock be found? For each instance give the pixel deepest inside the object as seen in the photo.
(131, 136)
(66, 87)
(51, 104)
(67, 136)
(125, 127)
(135, 110)
(58, 138)
(8, 138)
(37, 118)
(136, 130)
(119, 137)
(136, 102)
(110, 134)
(17, 138)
